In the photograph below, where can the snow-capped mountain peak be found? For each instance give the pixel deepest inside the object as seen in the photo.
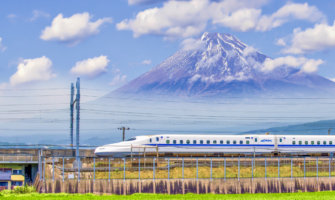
(220, 64)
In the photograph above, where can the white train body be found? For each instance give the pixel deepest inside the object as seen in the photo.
(221, 144)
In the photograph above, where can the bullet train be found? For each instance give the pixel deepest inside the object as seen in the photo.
(220, 144)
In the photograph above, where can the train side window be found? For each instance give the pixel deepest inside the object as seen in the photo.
(181, 141)
(293, 142)
(306, 142)
(234, 142)
(318, 142)
(167, 141)
(187, 141)
(214, 141)
(228, 141)
(241, 141)
(300, 142)
(208, 141)
(194, 141)
(157, 139)
(150, 140)
(312, 143)
(248, 142)
(174, 141)
(221, 141)
(280, 140)
(330, 142)
(324, 142)
(201, 141)
(255, 139)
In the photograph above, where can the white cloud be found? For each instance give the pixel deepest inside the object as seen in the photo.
(2, 47)
(12, 16)
(73, 29)
(192, 44)
(29, 70)
(281, 42)
(39, 14)
(320, 37)
(189, 18)
(305, 64)
(91, 67)
(118, 80)
(289, 12)
(146, 62)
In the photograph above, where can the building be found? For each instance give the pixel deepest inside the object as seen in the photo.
(11, 175)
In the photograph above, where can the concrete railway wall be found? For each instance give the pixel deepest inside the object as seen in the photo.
(175, 186)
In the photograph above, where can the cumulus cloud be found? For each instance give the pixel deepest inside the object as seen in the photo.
(39, 14)
(91, 67)
(320, 37)
(189, 18)
(29, 70)
(2, 47)
(146, 62)
(305, 64)
(289, 12)
(73, 29)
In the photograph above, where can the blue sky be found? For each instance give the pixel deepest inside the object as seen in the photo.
(115, 45)
(45, 45)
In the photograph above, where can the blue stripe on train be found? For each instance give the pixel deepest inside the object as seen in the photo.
(239, 145)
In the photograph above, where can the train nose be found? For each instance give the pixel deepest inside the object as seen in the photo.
(110, 150)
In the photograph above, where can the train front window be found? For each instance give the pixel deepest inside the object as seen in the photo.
(167, 141)
(131, 139)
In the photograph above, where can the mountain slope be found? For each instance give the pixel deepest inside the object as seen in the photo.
(221, 65)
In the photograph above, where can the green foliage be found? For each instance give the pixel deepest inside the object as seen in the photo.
(282, 196)
(24, 190)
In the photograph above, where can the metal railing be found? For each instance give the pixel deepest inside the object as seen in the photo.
(93, 168)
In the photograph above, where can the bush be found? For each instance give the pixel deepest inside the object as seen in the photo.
(24, 190)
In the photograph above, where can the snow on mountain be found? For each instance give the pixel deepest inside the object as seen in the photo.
(221, 65)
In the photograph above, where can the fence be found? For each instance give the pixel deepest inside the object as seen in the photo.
(93, 168)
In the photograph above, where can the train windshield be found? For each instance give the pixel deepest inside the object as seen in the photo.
(131, 139)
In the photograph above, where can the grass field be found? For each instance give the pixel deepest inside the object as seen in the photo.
(283, 196)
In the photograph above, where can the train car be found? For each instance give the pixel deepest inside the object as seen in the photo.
(220, 144)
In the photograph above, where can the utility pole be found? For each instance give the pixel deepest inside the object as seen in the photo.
(329, 131)
(123, 132)
(77, 118)
(71, 118)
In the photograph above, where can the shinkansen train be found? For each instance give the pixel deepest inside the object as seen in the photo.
(220, 144)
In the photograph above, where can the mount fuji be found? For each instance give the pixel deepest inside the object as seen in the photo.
(219, 65)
